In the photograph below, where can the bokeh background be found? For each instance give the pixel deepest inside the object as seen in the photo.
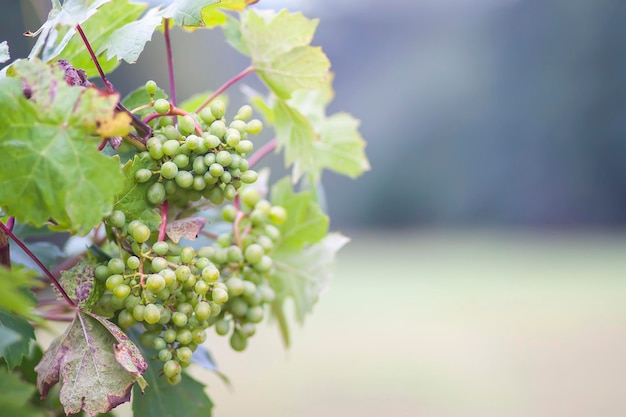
(485, 276)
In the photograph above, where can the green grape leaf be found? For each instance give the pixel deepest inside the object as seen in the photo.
(187, 13)
(305, 275)
(232, 32)
(102, 31)
(279, 47)
(161, 399)
(132, 200)
(140, 97)
(306, 224)
(15, 336)
(4, 52)
(14, 290)
(55, 171)
(128, 41)
(15, 396)
(212, 16)
(81, 285)
(85, 359)
(294, 133)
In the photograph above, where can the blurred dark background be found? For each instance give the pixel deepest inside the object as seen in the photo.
(484, 113)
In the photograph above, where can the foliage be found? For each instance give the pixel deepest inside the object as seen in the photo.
(136, 181)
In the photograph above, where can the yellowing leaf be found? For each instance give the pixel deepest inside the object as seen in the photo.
(118, 125)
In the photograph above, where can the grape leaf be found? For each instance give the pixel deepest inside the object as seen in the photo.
(17, 345)
(295, 133)
(14, 290)
(187, 228)
(15, 395)
(303, 276)
(161, 399)
(232, 32)
(55, 171)
(305, 224)
(212, 16)
(4, 52)
(101, 29)
(84, 360)
(279, 47)
(46, 252)
(187, 13)
(128, 41)
(132, 200)
(81, 285)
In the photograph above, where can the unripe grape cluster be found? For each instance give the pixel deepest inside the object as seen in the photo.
(176, 293)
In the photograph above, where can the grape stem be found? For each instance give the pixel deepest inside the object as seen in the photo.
(170, 60)
(262, 152)
(238, 218)
(103, 77)
(224, 87)
(164, 208)
(45, 270)
(174, 111)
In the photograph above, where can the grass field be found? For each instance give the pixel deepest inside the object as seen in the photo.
(446, 325)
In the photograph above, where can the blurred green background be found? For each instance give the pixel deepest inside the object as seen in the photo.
(485, 276)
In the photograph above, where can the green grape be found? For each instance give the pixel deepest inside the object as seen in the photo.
(223, 158)
(121, 291)
(161, 248)
(170, 187)
(206, 252)
(187, 254)
(146, 338)
(249, 289)
(117, 219)
(233, 137)
(171, 369)
(170, 147)
(201, 287)
(244, 165)
(272, 232)
(199, 183)
(141, 233)
(125, 319)
(155, 282)
(158, 264)
(184, 354)
(244, 112)
(235, 163)
(179, 319)
(210, 273)
(151, 87)
(186, 125)
(158, 343)
(229, 213)
(185, 308)
(218, 108)
(156, 152)
(198, 336)
(249, 177)
(171, 133)
(206, 115)
(151, 314)
(248, 329)
(250, 196)
(235, 286)
(211, 141)
(183, 336)
(219, 296)
(265, 264)
(184, 179)
(169, 335)
(130, 302)
(263, 206)
(138, 311)
(257, 217)
(234, 254)
(201, 262)
(230, 192)
(133, 262)
(254, 127)
(102, 272)
(216, 195)
(184, 150)
(238, 341)
(169, 276)
(198, 165)
(155, 195)
(169, 170)
(183, 273)
(222, 327)
(244, 147)
(116, 266)
(218, 128)
(238, 307)
(166, 315)
(267, 293)
(255, 314)
(226, 177)
(202, 310)
(161, 106)
(224, 240)
(174, 380)
(220, 256)
(216, 309)
(165, 355)
(181, 160)
(253, 253)
(240, 126)
(216, 169)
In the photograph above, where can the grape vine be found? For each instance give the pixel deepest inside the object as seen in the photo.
(180, 231)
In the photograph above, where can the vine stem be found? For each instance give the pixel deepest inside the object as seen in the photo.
(262, 152)
(170, 61)
(174, 111)
(103, 77)
(45, 270)
(224, 87)
(164, 208)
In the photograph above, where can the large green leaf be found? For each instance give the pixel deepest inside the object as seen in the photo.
(132, 200)
(295, 134)
(101, 30)
(15, 337)
(91, 360)
(14, 290)
(279, 47)
(161, 399)
(55, 170)
(15, 395)
(187, 13)
(212, 15)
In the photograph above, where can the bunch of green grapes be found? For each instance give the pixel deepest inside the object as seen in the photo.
(201, 156)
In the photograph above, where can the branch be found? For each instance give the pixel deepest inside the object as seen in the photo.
(224, 87)
(164, 208)
(170, 61)
(32, 256)
(94, 58)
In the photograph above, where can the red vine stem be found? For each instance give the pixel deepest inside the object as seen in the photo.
(106, 82)
(262, 152)
(170, 60)
(164, 208)
(236, 223)
(11, 223)
(32, 256)
(224, 87)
